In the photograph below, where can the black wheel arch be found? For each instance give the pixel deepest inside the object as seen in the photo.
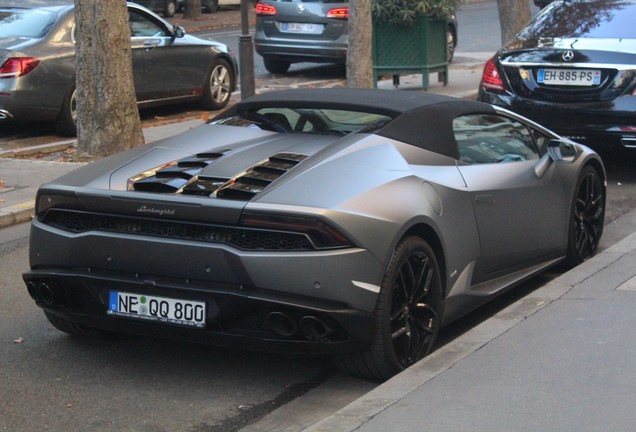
(426, 232)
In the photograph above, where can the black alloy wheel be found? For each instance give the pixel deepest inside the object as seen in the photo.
(407, 317)
(587, 217)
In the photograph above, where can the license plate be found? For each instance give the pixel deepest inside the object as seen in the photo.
(152, 308)
(573, 77)
(292, 27)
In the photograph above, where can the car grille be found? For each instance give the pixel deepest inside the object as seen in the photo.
(241, 238)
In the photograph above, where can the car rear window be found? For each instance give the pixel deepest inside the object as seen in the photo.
(25, 23)
(584, 19)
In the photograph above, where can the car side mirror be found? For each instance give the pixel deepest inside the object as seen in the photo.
(558, 152)
(562, 151)
(178, 32)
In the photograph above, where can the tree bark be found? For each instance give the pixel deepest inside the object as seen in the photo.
(192, 9)
(107, 118)
(359, 51)
(513, 16)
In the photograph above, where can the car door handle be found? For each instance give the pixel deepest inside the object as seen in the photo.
(150, 45)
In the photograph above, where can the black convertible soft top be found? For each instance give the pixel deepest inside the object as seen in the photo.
(421, 119)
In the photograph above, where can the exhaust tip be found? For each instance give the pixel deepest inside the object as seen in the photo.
(46, 295)
(33, 289)
(314, 327)
(51, 295)
(281, 324)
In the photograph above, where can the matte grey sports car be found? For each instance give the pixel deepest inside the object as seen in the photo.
(344, 221)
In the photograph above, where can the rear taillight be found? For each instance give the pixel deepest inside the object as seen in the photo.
(265, 9)
(18, 66)
(322, 235)
(490, 79)
(342, 13)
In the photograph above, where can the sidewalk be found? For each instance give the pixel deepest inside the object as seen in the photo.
(560, 359)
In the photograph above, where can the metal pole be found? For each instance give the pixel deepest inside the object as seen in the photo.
(246, 54)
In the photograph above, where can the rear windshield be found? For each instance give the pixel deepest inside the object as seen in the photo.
(584, 19)
(25, 23)
(308, 120)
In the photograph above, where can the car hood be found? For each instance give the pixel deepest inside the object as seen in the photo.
(232, 167)
(618, 51)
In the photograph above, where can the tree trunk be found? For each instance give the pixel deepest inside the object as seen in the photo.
(513, 16)
(192, 9)
(359, 52)
(107, 114)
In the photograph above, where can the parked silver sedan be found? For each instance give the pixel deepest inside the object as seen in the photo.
(37, 65)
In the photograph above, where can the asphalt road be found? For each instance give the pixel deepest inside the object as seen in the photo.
(54, 382)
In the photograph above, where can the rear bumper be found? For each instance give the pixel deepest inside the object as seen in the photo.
(296, 52)
(599, 123)
(233, 317)
(72, 275)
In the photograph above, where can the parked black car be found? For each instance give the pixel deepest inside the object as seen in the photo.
(572, 69)
(309, 31)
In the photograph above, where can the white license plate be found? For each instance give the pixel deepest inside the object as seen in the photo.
(153, 308)
(292, 27)
(573, 77)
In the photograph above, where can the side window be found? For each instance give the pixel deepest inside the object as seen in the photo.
(140, 26)
(486, 138)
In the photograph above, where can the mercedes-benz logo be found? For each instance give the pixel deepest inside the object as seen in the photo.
(567, 56)
(301, 9)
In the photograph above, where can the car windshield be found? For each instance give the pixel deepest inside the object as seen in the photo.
(584, 19)
(25, 23)
(308, 120)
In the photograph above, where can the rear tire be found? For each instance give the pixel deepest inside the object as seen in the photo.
(276, 66)
(451, 43)
(170, 8)
(218, 87)
(407, 317)
(75, 329)
(587, 216)
(211, 6)
(66, 123)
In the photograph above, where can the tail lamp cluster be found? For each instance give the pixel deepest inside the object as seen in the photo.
(321, 234)
(18, 66)
(491, 79)
(266, 9)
